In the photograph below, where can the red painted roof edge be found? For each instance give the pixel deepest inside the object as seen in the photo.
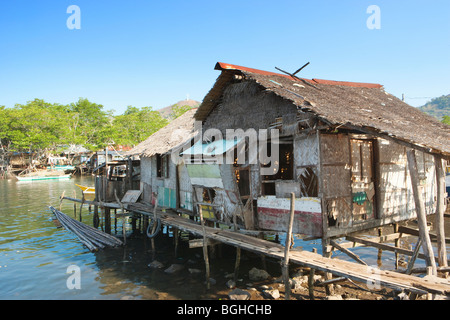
(227, 66)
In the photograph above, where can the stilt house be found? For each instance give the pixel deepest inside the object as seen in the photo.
(342, 149)
(161, 178)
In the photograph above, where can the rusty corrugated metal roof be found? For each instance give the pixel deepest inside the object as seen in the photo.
(228, 66)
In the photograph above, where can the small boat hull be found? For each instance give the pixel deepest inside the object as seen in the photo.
(88, 192)
(62, 168)
(33, 178)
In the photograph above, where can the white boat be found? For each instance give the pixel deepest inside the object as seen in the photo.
(43, 175)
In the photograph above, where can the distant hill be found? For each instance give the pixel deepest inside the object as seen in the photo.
(437, 107)
(166, 111)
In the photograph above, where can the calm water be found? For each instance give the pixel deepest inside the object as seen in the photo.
(35, 255)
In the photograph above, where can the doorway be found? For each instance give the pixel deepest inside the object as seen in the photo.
(363, 180)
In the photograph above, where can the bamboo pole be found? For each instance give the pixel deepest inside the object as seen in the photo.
(420, 210)
(285, 264)
(89, 236)
(440, 209)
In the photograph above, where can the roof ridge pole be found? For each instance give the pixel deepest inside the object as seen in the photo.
(440, 209)
(420, 211)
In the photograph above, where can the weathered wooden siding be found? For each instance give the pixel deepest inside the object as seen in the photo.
(306, 151)
(186, 201)
(166, 188)
(345, 174)
(336, 178)
(395, 190)
(146, 179)
(273, 214)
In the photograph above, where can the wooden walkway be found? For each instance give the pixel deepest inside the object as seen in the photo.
(341, 268)
(351, 270)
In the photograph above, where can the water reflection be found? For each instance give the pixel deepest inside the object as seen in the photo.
(35, 255)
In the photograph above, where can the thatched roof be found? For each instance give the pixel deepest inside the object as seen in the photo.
(362, 106)
(174, 134)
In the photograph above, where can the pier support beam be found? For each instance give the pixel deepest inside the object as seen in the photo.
(287, 246)
(205, 247)
(440, 209)
(420, 210)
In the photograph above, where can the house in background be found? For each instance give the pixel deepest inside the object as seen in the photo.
(162, 177)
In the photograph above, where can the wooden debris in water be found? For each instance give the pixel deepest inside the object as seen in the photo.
(92, 238)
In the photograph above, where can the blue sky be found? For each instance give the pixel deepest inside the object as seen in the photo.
(155, 53)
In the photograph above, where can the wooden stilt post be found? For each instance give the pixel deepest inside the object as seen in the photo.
(414, 256)
(285, 264)
(440, 209)
(311, 283)
(107, 211)
(115, 220)
(205, 247)
(420, 210)
(237, 264)
(74, 206)
(312, 272)
(95, 218)
(155, 219)
(61, 199)
(175, 238)
(325, 238)
(396, 244)
(347, 252)
(81, 206)
(124, 232)
(107, 219)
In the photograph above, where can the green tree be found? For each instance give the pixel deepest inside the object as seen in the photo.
(88, 124)
(446, 120)
(31, 126)
(178, 110)
(136, 125)
(438, 107)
